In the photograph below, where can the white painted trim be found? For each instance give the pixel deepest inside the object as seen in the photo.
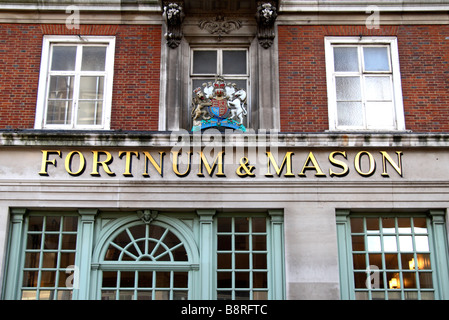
(396, 75)
(48, 40)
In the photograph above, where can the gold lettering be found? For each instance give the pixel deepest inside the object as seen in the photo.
(128, 163)
(315, 166)
(396, 166)
(338, 163)
(104, 163)
(287, 161)
(68, 163)
(148, 156)
(372, 163)
(209, 168)
(45, 161)
(175, 163)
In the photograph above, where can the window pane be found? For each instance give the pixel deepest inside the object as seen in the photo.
(376, 59)
(93, 58)
(241, 225)
(90, 112)
(234, 62)
(346, 59)
(422, 243)
(350, 114)
(379, 114)
(205, 62)
(420, 225)
(348, 89)
(373, 243)
(61, 87)
(390, 243)
(405, 243)
(378, 88)
(91, 87)
(224, 224)
(64, 58)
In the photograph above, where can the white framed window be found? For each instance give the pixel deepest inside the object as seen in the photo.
(364, 83)
(75, 84)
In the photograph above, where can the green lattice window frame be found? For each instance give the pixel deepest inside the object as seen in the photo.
(249, 256)
(363, 255)
(191, 278)
(42, 256)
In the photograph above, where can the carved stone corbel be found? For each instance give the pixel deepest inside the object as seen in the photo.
(265, 16)
(173, 15)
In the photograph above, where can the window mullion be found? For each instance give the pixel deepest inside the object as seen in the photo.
(76, 85)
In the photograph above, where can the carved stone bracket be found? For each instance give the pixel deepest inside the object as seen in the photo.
(147, 216)
(265, 17)
(174, 15)
(220, 26)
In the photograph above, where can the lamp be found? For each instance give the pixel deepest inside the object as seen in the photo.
(411, 264)
(394, 283)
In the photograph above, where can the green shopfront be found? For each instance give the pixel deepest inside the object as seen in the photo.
(239, 216)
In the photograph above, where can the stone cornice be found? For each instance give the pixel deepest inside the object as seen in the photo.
(45, 138)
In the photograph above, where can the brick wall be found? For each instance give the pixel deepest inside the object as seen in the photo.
(424, 62)
(135, 101)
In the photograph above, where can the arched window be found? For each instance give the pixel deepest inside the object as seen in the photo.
(145, 262)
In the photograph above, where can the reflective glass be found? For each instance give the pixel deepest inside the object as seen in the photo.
(64, 58)
(91, 87)
(346, 59)
(422, 243)
(390, 243)
(350, 114)
(359, 261)
(405, 243)
(234, 62)
(378, 88)
(373, 243)
(205, 62)
(94, 58)
(260, 280)
(420, 225)
(372, 225)
(357, 225)
(348, 88)
(376, 59)
(90, 112)
(391, 261)
(380, 114)
(61, 87)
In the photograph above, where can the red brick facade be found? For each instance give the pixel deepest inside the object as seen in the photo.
(424, 62)
(135, 101)
(423, 54)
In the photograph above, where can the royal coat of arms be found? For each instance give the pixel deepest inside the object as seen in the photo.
(220, 105)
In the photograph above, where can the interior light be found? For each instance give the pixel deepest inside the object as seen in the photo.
(393, 283)
(411, 264)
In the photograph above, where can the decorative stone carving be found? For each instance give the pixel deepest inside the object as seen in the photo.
(265, 17)
(218, 105)
(174, 16)
(220, 26)
(147, 216)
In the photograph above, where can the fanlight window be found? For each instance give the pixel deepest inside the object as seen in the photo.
(146, 243)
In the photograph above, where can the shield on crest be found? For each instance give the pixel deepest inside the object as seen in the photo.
(219, 108)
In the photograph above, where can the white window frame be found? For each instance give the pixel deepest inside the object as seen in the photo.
(391, 42)
(41, 108)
